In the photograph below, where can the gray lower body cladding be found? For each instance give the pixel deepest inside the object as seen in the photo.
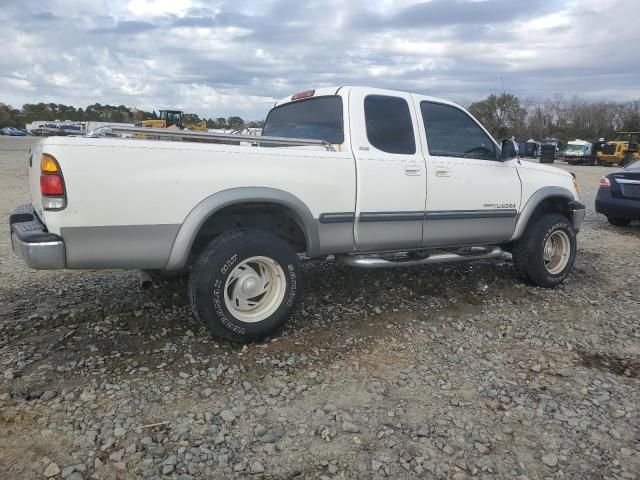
(149, 246)
(467, 231)
(119, 246)
(380, 231)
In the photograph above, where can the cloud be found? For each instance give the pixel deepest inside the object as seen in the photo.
(440, 13)
(220, 57)
(126, 27)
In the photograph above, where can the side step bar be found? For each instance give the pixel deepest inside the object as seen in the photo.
(473, 253)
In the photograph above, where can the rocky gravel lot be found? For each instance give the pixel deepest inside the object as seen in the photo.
(450, 371)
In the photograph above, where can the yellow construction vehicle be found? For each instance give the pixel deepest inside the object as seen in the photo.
(168, 118)
(198, 127)
(623, 149)
(173, 119)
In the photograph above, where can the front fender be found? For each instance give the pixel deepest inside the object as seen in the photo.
(534, 201)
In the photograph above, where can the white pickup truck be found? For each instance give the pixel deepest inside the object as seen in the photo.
(376, 178)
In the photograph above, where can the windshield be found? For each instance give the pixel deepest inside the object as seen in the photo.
(626, 136)
(317, 118)
(574, 148)
(172, 118)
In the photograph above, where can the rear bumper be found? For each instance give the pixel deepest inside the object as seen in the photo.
(617, 207)
(30, 241)
(578, 211)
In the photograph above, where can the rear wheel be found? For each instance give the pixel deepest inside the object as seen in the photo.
(245, 284)
(546, 252)
(619, 222)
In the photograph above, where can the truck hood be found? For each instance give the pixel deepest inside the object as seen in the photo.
(541, 167)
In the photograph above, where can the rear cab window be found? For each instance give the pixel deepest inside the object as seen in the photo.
(317, 118)
(389, 125)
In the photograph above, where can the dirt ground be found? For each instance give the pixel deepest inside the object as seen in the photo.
(448, 371)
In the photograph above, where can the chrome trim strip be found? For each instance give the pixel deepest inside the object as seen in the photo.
(339, 217)
(469, 214)
(258, 139)
(367, 217)
(626, 181)
(390, 216)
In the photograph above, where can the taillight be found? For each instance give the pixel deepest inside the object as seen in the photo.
(305, 94)
(51, 184)
(605, 182)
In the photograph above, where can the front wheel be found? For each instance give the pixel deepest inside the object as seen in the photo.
(545, 254)
(245, 284)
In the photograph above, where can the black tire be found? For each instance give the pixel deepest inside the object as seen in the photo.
(619, 222)
(528, 252)
(518, 258)
(215, 265)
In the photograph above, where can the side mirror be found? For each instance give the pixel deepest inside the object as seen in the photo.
(509, 150)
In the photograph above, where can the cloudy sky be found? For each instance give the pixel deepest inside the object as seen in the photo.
(218, 58)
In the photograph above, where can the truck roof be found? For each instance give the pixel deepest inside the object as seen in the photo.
(335, 90)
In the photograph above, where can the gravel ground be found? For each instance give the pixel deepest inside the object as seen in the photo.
(448, 371)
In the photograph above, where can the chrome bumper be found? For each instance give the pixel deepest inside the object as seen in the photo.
(578, 212)
(30, 241)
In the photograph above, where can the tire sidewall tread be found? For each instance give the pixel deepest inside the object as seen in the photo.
(529, 251)
(215, 264)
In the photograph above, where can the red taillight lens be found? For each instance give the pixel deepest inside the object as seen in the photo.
(605, 182)
(51, 185)
(305, 94)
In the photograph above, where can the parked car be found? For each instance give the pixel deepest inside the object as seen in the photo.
(13, 132)
(349, 174)
(619, 195)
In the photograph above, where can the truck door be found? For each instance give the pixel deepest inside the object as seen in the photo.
(472, 196)
(391, 185)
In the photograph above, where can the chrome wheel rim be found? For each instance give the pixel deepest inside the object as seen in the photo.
(557, 250)
(254, 289)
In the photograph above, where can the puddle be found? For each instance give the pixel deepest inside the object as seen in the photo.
(626, 367)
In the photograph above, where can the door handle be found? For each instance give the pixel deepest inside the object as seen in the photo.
(412, 170)
(443, 172)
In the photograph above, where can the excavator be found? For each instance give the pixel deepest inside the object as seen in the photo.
(173, 119)
(623, 149)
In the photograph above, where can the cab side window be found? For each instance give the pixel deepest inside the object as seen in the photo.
(389, 126)
(452, 133)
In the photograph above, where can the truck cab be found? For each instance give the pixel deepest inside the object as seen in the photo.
(428, 173)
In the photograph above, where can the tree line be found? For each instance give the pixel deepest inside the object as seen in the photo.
(563, 118)
(503, 115)
(30, 112)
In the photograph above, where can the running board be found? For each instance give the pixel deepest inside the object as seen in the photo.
(474, 253)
